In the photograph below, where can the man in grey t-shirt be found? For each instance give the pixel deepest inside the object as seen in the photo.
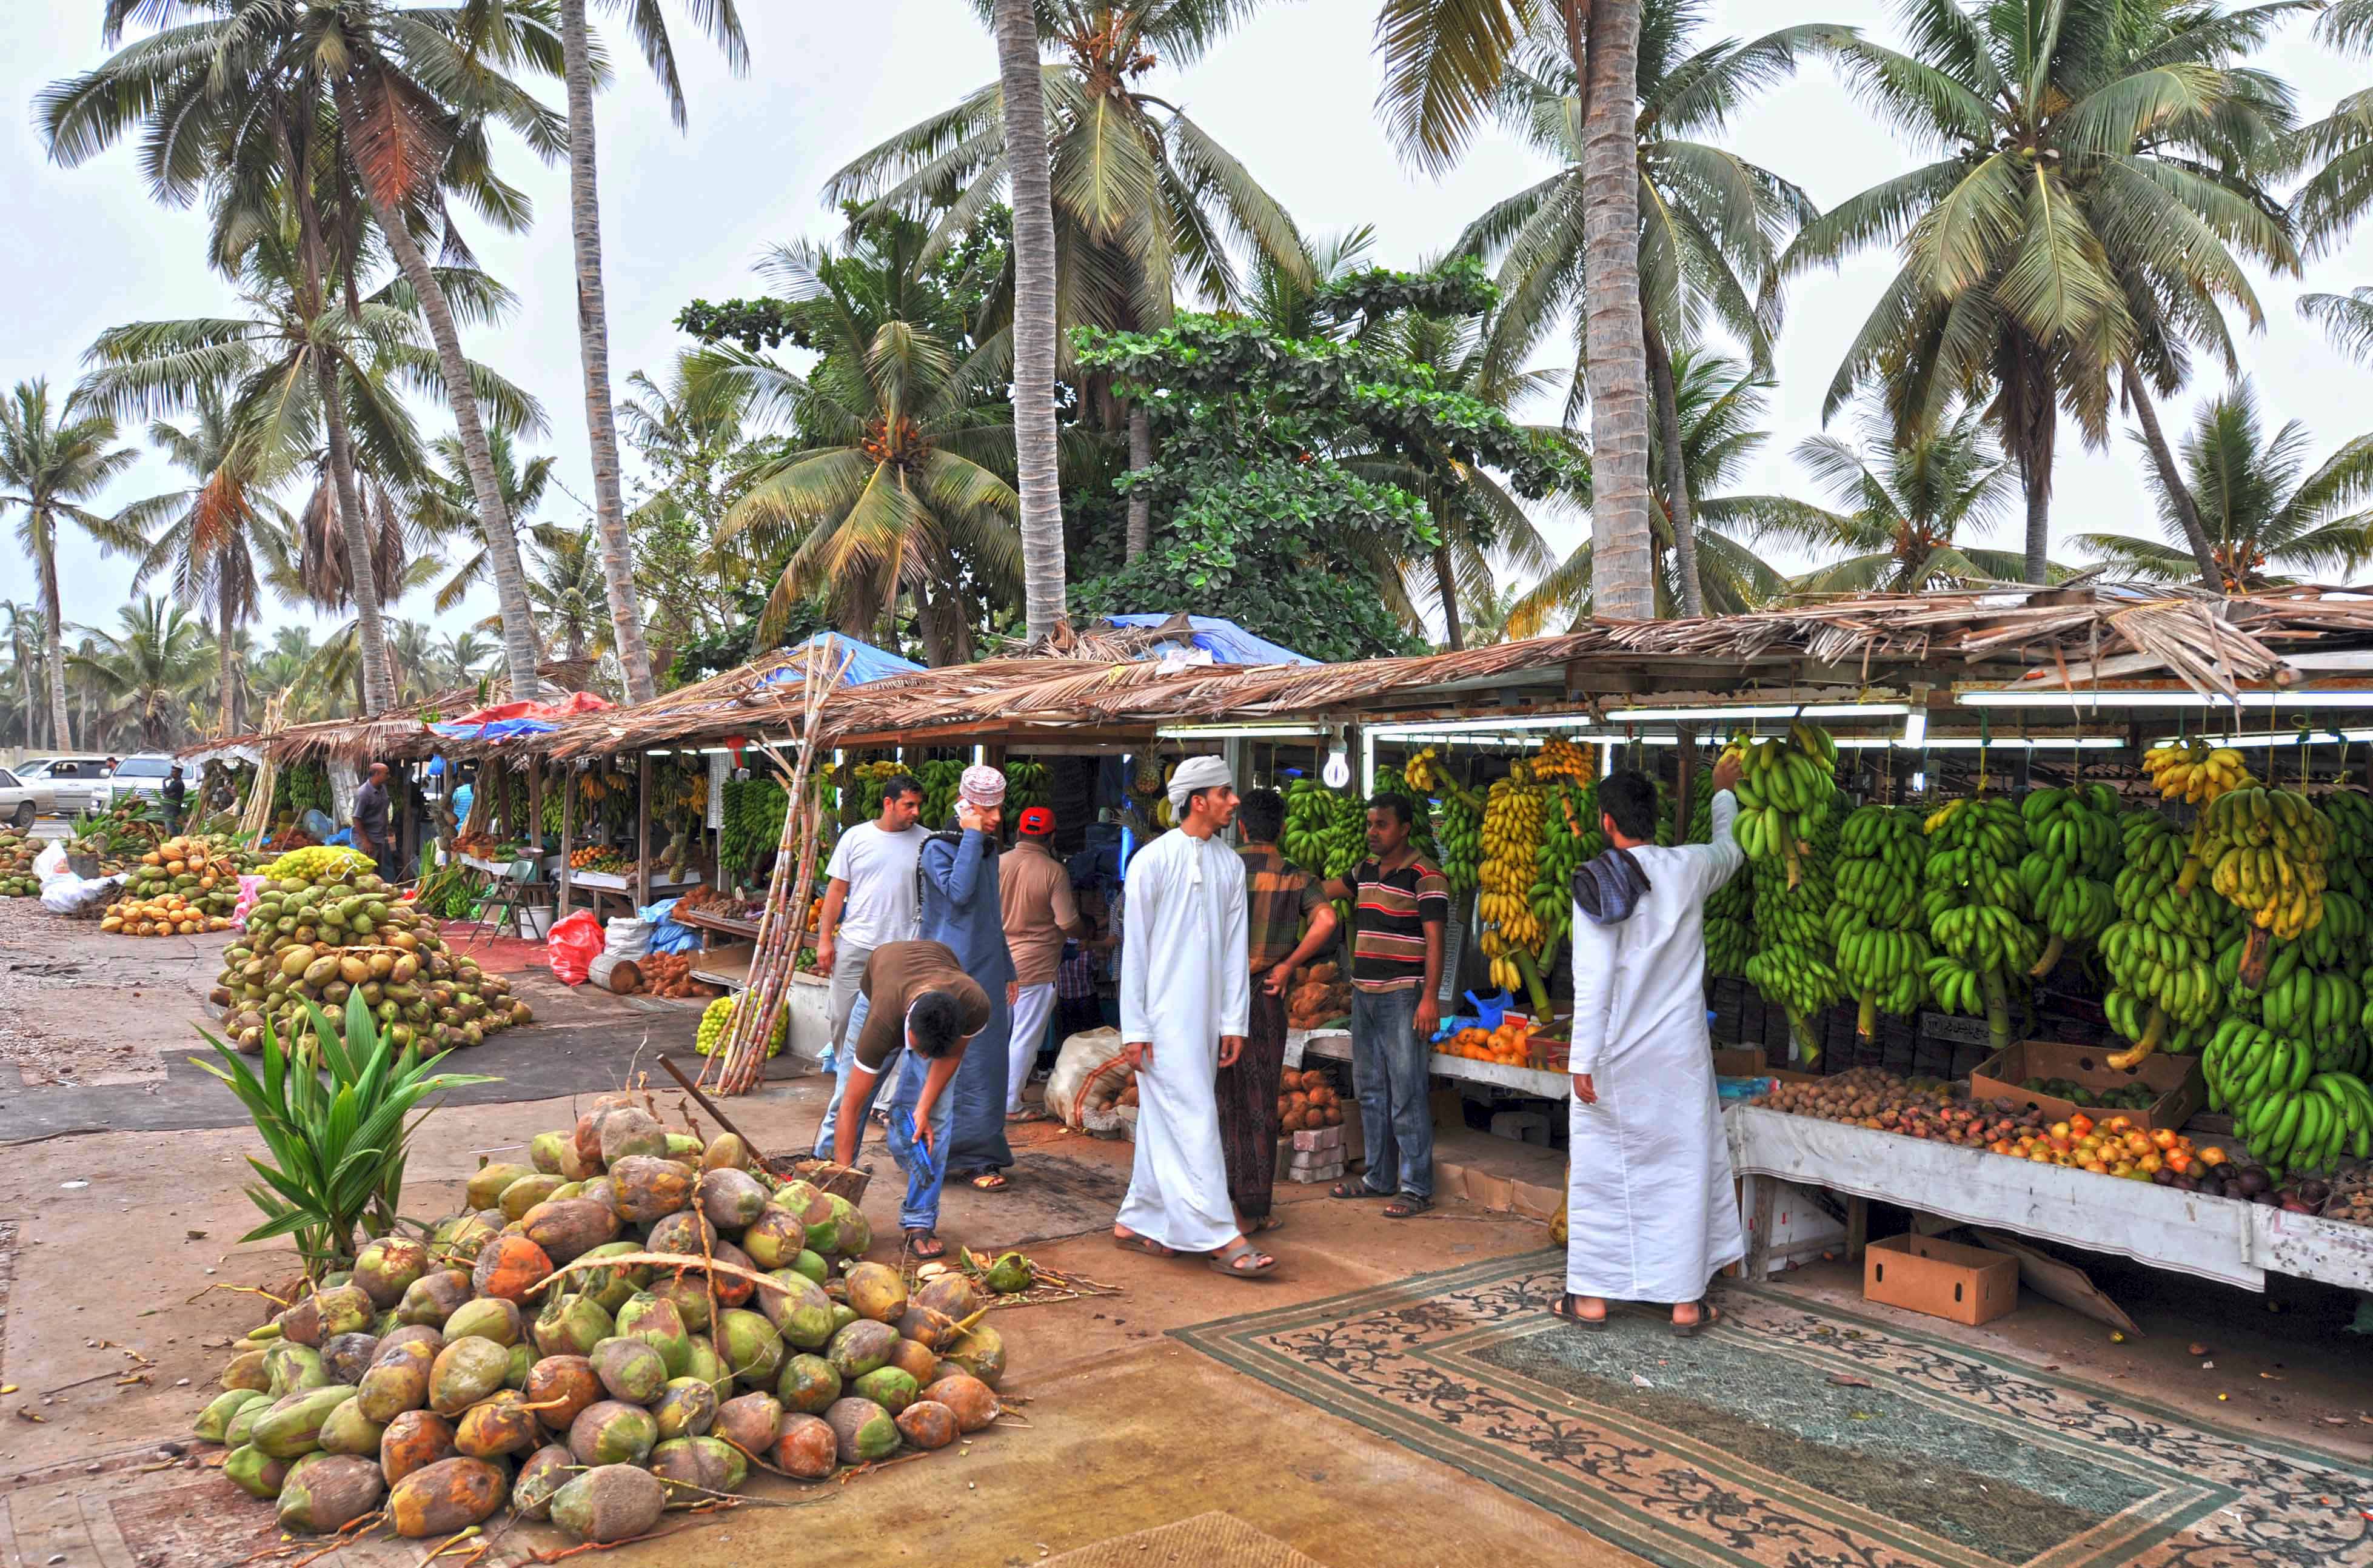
(869, 899)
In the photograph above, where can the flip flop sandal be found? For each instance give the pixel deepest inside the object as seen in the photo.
(1224, 1262)
(990, 1181)
(1354, 1189)
(1265, 1225)
(1567, 1309)
(926, 1246)
(1146, 1244)
(1407, 1206)
(1708, 1315)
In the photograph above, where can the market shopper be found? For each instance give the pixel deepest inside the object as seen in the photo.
(371, 836)
(1650, 1210)
(869, 898)
(1036, 904)
(1186, 996)
(176, 794)
(916, 1005)
(1400, 907)
(1279, 898)
(962, 907)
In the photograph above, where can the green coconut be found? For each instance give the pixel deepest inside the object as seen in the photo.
(255, 1472)
(328, 1493)
(775, 1239)
(630, 1369)
(465, 1372)
(655, 1321)
(751, 1349)
(812, 1263)
(293, 1429)
(215, 1420)
(612, 1433)
(571, 1325)
(862, 1429)
(612, 1285)
(526, 1193)
(486, 1318)
(807, 1385)
(246, 1370)
(1010, 1274)
(706, 1365)
(385, 1269)
(730, 1198)
(686, 1408)
(432, 1298)
(889, 1388)
(631, 1133)
(876, 1292)
(543, 1152)
(542, 1476)
(697, 1467)
(689, 1292)
(800, 1312)
(487, 1182)
(349, 1431)
(859, 1348)
(855, 1234)
(980, 1350)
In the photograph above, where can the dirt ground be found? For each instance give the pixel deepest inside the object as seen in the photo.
(122, 1282)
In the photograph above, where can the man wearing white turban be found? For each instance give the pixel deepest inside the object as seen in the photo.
(1185, 997)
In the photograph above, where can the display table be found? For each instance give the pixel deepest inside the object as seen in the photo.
(545, 867)
(615, 888)
(708, 924)
(2214, 1238)
(1335, 1044)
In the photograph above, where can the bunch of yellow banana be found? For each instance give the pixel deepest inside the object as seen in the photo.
(2160, 952)
(1561, 759)
(1423, 770)
(1874, 920)
(1513, 814)
(2267, 850)
(2194, 771)
(1785, 783)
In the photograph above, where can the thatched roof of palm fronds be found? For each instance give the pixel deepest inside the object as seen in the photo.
(2080, 639)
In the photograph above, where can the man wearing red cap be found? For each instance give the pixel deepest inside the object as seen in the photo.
(1035, 896)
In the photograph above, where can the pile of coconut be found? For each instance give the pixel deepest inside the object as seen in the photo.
(635, 1320)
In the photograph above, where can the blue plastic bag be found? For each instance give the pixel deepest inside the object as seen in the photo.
(666, 935)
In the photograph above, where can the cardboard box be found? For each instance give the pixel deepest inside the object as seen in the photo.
(1963, 1284)
(1739, 1062)
(2180, 1091)
(1802, 1231)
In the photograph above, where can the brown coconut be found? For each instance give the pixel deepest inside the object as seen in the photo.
(544, 1474)
(980, 1350)
(807, 1447)
(450, 1495)
(954, 1297)
(730, 1198)
(394, 1339)
(329, 1492)
(861, 1430)
(612, 1433)
(413, 1441)
(927, 1424)
(645, 1189)
(560, 1388)
(750, 1423)
(570, 1227)
(345, 1357)
(685, 1233)
(630, 1132)
(612, 1502)
(877, 1292)
(974, 1402)
(511, 1267)
(385, 1268)
(807, 1385)
(914, 1359)
(630, 1370)
(397, 1382)
(464, 1373)
(433, 1297)
(498, 1425)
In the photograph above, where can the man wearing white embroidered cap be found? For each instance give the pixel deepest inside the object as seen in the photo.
(957, 874)
(1185, 1001)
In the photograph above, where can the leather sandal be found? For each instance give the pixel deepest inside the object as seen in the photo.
(1226, 1261)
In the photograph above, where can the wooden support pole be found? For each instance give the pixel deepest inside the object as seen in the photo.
(1685, 787)
(642, 829)
(567, 810)
(535, 809)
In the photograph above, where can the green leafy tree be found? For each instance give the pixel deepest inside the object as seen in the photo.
(1721, 404)
(2267, 512)
(1711, 222)
(2088, 220)
(53, 459)
(1902, 509)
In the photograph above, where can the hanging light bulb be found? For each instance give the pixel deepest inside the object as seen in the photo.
(1338, 771)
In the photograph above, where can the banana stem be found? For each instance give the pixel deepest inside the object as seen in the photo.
(2257, 951)
(2189, 877)
(2154, 1033)
(2052, 951)
(1535, 988)
(1809, 1047)
(1990, 981)
(1866, 1015)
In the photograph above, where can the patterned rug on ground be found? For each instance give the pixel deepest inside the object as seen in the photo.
(1792, 1436)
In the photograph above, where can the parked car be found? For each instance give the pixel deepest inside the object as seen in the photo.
(20, 803)
(142, 774)
(80, 783)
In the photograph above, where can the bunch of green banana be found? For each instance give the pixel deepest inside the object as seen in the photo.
(2266, 851)
(1785, 787)
(2161, 950)
(1026, 785)
(2292, 1115)
(1875, 921)
(1309, 823)
(2072, 854)
(940, 778)
(2350, 812)
(1975, 908)
(1570, 835)
(1729, 909)
(1794, 963)
(1458, 828)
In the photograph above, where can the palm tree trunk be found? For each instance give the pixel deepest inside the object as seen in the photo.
(1677, 510)
(2170, 478)
(53, 649)
(593, 348)
(225, 669)
(1616, 377)
(1446, 584)
(494, 518)
(2033, 421)
(1140, 504)
(1034, 317)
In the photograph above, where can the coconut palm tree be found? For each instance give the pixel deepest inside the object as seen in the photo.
(646, 20)
(442, 503)
(1022, 117)
(325, 111)
(1722, 403)
(2264, 509)
(2339, 145)
(53, 459)
(2087, 219)
(461, 658)
(207, 538)
(1445, 67)
(146, 668)
(565, 584)
(1904, 509)
(890, 485)
(1140, 199)
(1712, 222)
(25, 631)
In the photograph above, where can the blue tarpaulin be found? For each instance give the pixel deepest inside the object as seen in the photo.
(498, 729)
(1225, 640)
(866, 662)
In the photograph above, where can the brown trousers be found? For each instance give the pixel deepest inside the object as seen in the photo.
(1247, 1101)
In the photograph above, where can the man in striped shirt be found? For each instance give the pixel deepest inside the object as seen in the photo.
(1400, 907)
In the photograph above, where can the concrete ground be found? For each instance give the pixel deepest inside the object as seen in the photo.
(122, 1282)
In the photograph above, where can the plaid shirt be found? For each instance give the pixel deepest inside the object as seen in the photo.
(1278, 897)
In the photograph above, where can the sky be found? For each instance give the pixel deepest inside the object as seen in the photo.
(1292, 93)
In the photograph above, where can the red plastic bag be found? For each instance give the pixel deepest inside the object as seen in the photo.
(575, 942)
